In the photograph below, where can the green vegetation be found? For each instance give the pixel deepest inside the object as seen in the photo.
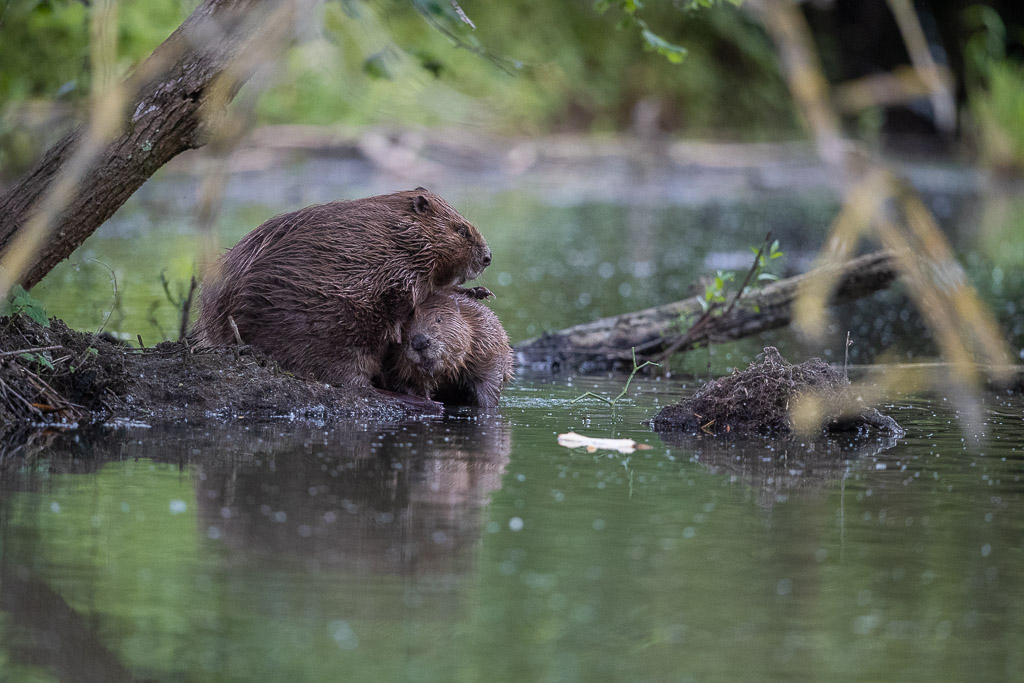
(21, 302)
(716, 290)
(995, 91)
(526, 68)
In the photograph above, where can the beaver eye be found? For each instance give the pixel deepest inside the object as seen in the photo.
(463, 231)
(438, 319)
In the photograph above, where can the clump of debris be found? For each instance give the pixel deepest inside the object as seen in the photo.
(759, 400)
(50, 374)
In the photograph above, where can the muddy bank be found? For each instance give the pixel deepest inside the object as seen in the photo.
(55, 375)
(760, 400)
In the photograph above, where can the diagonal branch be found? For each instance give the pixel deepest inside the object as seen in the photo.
(174, 99)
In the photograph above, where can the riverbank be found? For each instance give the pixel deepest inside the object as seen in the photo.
(53, 375)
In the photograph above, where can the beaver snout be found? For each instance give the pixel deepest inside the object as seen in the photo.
(481, 260)
(420, 342)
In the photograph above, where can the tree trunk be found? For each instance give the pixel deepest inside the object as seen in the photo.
(608, 343)
(169, 110)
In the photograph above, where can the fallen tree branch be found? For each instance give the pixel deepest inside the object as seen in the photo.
(177, 97)
(608, 343)
(34, 349)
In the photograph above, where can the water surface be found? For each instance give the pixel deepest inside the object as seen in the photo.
(473, 547)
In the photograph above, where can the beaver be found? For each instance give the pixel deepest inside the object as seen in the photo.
(453, 350)
(326, 289)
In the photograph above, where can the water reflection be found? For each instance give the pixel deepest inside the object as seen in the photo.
(390, 501)
(386, 499)
(137, 542)
(775, 469)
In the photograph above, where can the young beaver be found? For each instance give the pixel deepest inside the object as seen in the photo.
(325, 290)
(453, 350)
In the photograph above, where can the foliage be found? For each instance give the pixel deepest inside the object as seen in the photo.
(393, 61)
(652, 41)
(21, 302)
(995, 91)
(716, 291)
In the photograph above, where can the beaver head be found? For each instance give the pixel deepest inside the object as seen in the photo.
(455, 247)
(437, 338)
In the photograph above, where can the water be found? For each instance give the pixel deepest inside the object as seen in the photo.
(473, 547)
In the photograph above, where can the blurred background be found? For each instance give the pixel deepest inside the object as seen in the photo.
(612, 152)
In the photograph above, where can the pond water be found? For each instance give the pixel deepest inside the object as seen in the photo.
(473, 547)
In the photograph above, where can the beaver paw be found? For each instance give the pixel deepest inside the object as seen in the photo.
(475, 292)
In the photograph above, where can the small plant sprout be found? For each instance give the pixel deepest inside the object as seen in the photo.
(613, 401)
(21, 302)
(715, 291)
(764, 258)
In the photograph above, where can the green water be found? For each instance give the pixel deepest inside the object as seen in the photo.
(473, 547)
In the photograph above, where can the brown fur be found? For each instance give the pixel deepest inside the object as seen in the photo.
(454, 350)
(325, 290)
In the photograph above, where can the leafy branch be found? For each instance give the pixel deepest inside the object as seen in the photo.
(613, 401)
(653, 42)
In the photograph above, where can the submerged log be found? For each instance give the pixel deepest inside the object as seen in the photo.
(608, 343)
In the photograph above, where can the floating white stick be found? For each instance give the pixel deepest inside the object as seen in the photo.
(574, 440)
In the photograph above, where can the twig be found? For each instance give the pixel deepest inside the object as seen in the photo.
(613, 401)
(234, 328)
(139, 337)
(186, 307)
(34, 349)
(113, 301)
(750, 274)
(846, 358)
(8, 388)
(705, 319)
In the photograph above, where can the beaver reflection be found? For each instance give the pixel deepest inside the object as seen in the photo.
(399, 499)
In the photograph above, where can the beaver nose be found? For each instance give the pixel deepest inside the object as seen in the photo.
(420, 342)
(487, 258)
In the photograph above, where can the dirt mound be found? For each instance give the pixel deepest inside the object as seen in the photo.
(56, 375)
(759, 399)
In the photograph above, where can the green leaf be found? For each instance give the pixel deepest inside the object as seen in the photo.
(38, 314)
(20, 301)
(38, 359)
(670, 51)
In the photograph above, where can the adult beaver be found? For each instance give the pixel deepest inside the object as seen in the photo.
(453, 350)
(324, 290)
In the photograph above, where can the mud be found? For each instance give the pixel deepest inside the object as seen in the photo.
(758, 401)
(55, 375)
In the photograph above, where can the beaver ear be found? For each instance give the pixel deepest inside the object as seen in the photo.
(421, 189)
(420, 204)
